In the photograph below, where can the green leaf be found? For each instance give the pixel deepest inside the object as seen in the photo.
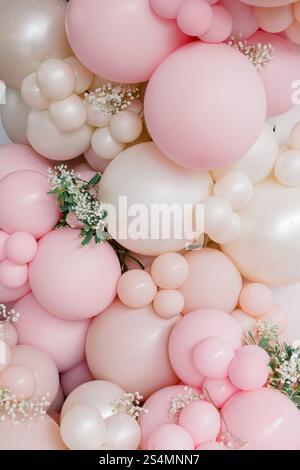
(95, 180)
(87, 237)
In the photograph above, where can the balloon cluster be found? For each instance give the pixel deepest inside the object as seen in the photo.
(280, 17)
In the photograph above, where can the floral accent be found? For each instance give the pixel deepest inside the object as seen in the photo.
(130, 404)
(112, 99)
(258, 54)
(8, 316)
(24, 410)
(181, 400)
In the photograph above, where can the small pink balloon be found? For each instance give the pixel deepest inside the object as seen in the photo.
(218, 391)
(211, 445)
(221, 26)
(136, 288)
(248, 371)
(11, 295)
(74, 377)
(278, 315)
(168, 303)
(244, 20)
(13, 275)
(252, 348)
(3, 239)
(5, 355)
(170, 437)
(30, 209)
(17, 157)
(212, 357)
(167, 8)
(10, 334)
(201, 420)
(21, 247)
(20, 380)
(195, 17)
(256, 299)
(170, 270)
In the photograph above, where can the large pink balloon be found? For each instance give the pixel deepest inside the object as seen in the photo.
(121, 40)
(72, 281)
(130, 348)
(30, 208)
(265, 420)
(213, 282)
(280, 73)
(63, 340)
(190, 330)
(40, 434)
(196, 107)
(17, 157)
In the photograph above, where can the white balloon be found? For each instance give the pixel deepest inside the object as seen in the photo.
(104, 145)
(68, 114)
(83, 77)
(126, 126)
(284, 123)
(231, 233)
(14, 117)
(53, 143)
(32, 94)
(217, 215)
(56, 79)
(287, 168)
(294, 140)
(235, 187)
(97, 118)
(123, 432)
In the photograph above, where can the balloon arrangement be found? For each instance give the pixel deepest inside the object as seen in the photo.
(154, 342)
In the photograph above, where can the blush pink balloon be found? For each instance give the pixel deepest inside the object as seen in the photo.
(21, 247)
(136, 288)
(244, 20)
(10, 334)
(3, 239)
(170, 270)
(72, 281)
(248, 371)
(213, 282)
(195, 17)
(279, 74)
(98, 34)
(30, 209)
(13, 275)
(201, 420)
(170, 437)
(193, 328)
(256, 299)
(265, 420)
(63, 340)
(166, 9)
(74, 377)
(221, 26)
(11, 295)
(42, 366)
(218, 391)
(138, 337)
(212, 357)
(252, 348)
(18, 157)
(185, 129)
(41, 434)
(20, 380)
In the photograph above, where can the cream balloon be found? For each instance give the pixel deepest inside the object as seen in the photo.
(287, 168)
(53, 143)
(56, 79)
(267, 249)
(68, 114)
(231, 233)
(104, 145)
(32, 94)
(151, 183)
(258, 162)
(235, 187)
(126, 126)
(284, 123)
(83, 77)
(97, 118)
(294, 141)
(30, 32)
(123, 432)
(217, 215)
(14, 116)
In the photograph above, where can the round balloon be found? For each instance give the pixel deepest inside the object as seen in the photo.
(74, 377)
(14, 117)
(193, 132)
(8, 294)
(72, 281)
(17, 157)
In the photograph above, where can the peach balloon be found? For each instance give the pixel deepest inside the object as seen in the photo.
(137, 336)
(136, 288)
(63, 340)
(74, 377)
(19, 380)
(276, 19)
(170, 270)
(255, 299)
(168, 303)
(211, 272)
(21, 247)
(16, 157)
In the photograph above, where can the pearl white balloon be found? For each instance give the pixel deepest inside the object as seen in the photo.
(294, 141)
(287, 168)
(97, 118)
(123, 432)
(126, 126)
(235, 187)
(56, 79)
(32, 95)
(68, 114)
(231, 233)
(83, 428)
(268, 249)
(146, 177)
(53, 143)
(284, 123)
(104, 145)
(258, 162)
(14, 117)
(83, 77)
(217, 215)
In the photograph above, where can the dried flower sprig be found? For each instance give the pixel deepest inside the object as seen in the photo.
(112, 99)
(129, 403)
(258, 54)
(181, 400)
(28, 409)
(8, 316)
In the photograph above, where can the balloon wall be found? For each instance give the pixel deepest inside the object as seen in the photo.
(150, 225)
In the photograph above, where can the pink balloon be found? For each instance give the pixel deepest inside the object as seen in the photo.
(19, 380)
(213, 282)
(72, 281)
(265, 420)
(30, 208)
(136, 288)
(40, 434)
(98, 35)
(221, 26)
(244, 20)
(218, 391)
(190, 330)
(21, 247)
(248, 371)
(63, 340)
(201, 420)
(279, 74)
(212, 357)
(10, 334)
(5, 355)
(170, 437)
(166, 8)
(18, 157)
(43, 367)
(138, 337)
(252, 348)
(74, 377)
(3, 239)
(13, 275)
(158, 410)
(11, 295)
(192, 132)
(195, 17)
(211, 445)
